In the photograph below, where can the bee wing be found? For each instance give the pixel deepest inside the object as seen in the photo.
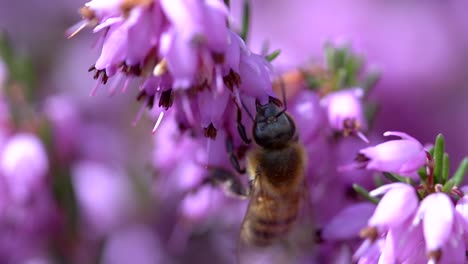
(247, 252)
(292, 243)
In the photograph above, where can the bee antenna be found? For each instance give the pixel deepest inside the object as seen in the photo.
(283, 94)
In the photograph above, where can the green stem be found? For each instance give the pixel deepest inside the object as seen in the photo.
(245, 20)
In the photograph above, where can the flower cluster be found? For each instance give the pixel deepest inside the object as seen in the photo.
(412, 223)
(184, 54)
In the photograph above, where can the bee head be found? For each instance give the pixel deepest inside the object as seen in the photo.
(273, 127)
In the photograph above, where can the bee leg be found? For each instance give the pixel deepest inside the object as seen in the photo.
(241, 127)
(230, 183)
(232, 156)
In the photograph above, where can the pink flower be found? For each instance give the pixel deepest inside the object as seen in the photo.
(309, 116)
(24, 165)
(348, 222)
(397, 205)
(134, 244)
(345, 111)
(404, 156)
(433, 230)
(437, 213)
(186, 57)
(104, 195)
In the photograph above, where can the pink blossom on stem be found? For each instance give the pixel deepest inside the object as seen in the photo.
(345, 112)
(403, 156)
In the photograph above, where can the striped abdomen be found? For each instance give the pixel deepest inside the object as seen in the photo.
(270, 218)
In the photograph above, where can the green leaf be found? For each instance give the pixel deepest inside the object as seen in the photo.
(448, 185)
(459, 175)
(378, 181)
(6, 51)
(365, 194)
(330, 56)
(370, 111)
(353, 66)
(370, 82)
(245, 20)
(439, 158)
(446, 168)
(340, 58)
(340, 78)
(270, 57)
(311, 81)
(392, 177)
(397, 178)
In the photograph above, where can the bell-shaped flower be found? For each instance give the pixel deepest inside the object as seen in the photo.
(402, 156)
(437, 213)
(398, 204)
(347, 223)
(345, 111)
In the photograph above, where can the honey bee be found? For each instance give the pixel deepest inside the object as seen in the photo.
(277, 184)
(277, 174)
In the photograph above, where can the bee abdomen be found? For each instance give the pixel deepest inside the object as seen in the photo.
(268, 224)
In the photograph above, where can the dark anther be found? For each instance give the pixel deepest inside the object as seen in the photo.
(130, 70)
(134, 70)
(318, 236)
(218, 57)
(232, 79)
(104, 78)
(350, 125)
(98, 73)
(166, 99)
(241, 128)
(200, 86)
(150, 103)
(276, 101)
(232, 156)
(210, 131)
(361, 158)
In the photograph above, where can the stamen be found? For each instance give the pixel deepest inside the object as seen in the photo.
(361, 136)
(113, 87)
(158, 122)
(98, 84)
(160, 68)
(187, 109)
(125, 85)
(139, 114)
(76, 28)
(362, 249)
(210, 131)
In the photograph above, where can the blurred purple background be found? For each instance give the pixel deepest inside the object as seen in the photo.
(420, 48)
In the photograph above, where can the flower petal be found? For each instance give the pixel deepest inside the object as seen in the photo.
(437, 212)
(347, 223)
(397, 205)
